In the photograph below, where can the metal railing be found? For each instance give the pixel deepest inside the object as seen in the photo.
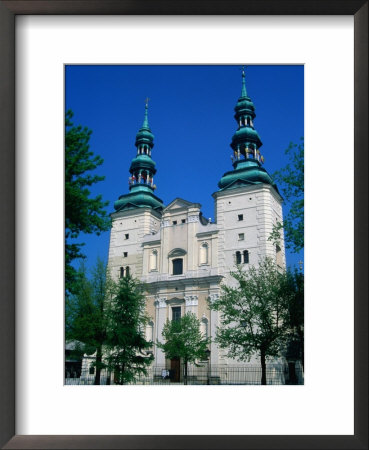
(276, 374)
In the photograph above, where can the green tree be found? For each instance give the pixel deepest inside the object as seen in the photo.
(253, 314)
(83, 213)
(290, 181)
(126, 346)
(295, 317)
(85, 313)
(184, 340)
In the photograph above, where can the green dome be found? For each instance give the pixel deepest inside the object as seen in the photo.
(244, 107)
(247, 172)
(143, 162)
(139, 197)
(246, 134)
(144, 136)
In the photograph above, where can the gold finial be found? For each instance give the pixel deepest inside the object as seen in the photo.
(147, 102)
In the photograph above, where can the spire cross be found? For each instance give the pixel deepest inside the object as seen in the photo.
(243, 92)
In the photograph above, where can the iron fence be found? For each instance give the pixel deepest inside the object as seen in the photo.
(276, 374)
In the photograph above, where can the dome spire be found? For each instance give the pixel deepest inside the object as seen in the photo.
(142, 171)
(243, 91)
(246, 143)
(145, 123)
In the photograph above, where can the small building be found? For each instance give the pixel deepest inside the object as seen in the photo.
(73, 359)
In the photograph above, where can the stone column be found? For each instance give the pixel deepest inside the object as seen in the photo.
(161, 317)
(214, 355)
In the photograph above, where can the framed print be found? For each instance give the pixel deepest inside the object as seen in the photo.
(329, 38)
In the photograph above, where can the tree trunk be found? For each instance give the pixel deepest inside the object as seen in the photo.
(98, 365)
(185, 372)
(301, 335)
(263, 367)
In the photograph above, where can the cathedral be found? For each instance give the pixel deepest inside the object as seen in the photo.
(180, 255)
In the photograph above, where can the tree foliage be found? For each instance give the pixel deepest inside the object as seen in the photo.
(253, 319)
(83, 213)
(86, 315)
(295, 317)
(184, 340)
(127, 348)
(290, 181)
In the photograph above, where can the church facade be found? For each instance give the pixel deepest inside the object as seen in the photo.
(182, 257)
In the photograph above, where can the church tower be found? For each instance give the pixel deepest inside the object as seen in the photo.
(138, 213)
(248, 203)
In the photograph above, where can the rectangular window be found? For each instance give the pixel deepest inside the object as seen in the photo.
(174, 222)
(241, 236)
(177, 266)
(126, 236)
(125, 254)
(183, 220)
(176, 313)
(240, 217)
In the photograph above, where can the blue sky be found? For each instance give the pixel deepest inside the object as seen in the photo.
(191, 115)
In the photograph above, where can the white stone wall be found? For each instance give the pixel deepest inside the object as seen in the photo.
(180, 233)
(136, 223)
(260, 207)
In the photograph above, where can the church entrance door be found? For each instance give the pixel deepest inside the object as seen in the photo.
(175, 368)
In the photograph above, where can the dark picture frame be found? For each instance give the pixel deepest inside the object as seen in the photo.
(8, 11)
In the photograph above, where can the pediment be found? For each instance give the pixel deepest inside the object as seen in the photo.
(179, 203)
(177, 252)
(238, 183)
(175, 301)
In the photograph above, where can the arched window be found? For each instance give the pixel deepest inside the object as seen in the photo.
(204, 253)
(127, 271)
(154, 260)
(177, 266)
(238, 257)
(121, 272)
(245, 257)
(176, 261)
